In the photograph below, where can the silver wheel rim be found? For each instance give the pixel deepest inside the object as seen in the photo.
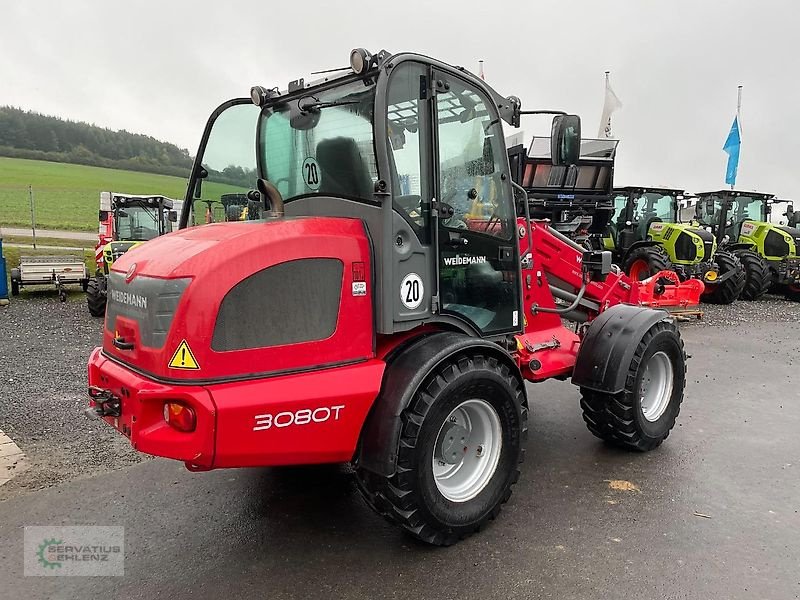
(467, 450)
(655, 390)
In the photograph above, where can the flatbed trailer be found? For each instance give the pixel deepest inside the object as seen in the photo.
(59, 271)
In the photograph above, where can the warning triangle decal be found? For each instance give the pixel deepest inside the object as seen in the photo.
(183, 358)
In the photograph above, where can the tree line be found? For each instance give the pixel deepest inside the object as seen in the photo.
(27, 134)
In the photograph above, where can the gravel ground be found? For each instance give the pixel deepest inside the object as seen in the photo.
(44, 345)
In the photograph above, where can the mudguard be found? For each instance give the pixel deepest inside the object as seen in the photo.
(608, 347)
(410, 367)
(635, 245)
(739, 246)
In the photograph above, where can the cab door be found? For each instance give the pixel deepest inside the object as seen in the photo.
(474, 217)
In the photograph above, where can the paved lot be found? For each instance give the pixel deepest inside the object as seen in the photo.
(49, 233)
(566, 533)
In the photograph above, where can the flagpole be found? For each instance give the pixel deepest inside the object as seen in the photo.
(608, 83)
(739, 112)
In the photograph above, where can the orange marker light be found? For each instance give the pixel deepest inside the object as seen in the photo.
(179, 416)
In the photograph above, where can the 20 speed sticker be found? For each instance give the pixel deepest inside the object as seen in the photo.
(412, 291)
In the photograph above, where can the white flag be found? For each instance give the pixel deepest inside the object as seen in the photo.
(610, 105)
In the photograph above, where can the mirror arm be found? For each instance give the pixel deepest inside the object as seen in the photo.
(542, 112)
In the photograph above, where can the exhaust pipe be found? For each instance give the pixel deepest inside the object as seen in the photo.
(270, 192)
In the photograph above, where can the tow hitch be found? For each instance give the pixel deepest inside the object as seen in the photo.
(106, 404)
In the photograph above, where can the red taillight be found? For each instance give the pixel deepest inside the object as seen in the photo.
(179, 416)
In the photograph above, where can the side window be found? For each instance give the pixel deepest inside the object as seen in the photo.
(471, 151)
(620, 202)
(405, 123)
(230, 160)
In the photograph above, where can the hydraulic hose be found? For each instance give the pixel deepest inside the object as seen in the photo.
(562, 311)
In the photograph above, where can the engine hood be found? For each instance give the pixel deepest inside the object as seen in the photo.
(164, 297)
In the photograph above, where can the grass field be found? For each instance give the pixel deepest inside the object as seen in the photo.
(67, 196)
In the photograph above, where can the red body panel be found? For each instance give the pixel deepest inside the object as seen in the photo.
(305, 418)
(219, 256)
(313, 417)
(142, 417)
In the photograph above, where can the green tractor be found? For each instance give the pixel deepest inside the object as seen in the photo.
(126, 221)
(740, 223)
(646, 236)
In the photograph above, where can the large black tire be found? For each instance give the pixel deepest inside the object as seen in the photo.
(729, 290)
(411, 497)
(646, 261)
(620, 419)
(757, 275)
(95, 298)
(792, 292)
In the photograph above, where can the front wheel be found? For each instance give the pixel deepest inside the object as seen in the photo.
(729, 289)
(757, 275)
(460, 448)
(646, 261)
(96, 297)
(641, 416)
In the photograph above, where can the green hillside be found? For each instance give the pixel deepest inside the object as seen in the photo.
(67, 196)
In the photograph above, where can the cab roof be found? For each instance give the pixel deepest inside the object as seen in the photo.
(736, 193)
(643, 189)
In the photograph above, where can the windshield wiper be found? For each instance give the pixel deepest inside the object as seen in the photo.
(317, 105)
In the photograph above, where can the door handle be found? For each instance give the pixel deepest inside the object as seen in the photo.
(122, 344)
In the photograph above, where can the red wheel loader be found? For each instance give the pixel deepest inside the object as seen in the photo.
(389, 307)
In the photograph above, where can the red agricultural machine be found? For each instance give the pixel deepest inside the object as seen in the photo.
(126, 221)
(389, 307)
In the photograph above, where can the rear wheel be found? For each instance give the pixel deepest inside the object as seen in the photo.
(460, 448)
(644, 262)
(727, 291)
(793, 292)
(757, 276)
(96, 298)
(641, 417)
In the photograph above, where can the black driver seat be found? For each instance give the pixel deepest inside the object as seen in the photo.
(344, 172)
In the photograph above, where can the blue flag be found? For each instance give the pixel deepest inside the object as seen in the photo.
(732, 145)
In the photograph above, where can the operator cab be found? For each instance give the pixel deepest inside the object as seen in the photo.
(725, 211)
(412, 147)
(637, 208)
(141, 218)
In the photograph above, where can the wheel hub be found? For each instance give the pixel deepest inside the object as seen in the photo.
(467, 450)
(655, 389)
(453, 440)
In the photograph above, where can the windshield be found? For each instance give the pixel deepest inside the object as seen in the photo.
(747, 207)
(137, 222)
(652, 205)
(321, 144)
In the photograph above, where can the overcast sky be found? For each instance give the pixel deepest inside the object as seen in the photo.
(160, 67)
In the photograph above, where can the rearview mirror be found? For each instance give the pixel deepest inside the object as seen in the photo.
(198, 183)
(173, 216)
(565, 140)
(303, 119)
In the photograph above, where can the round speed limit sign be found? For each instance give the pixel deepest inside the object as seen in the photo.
(412, 291)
